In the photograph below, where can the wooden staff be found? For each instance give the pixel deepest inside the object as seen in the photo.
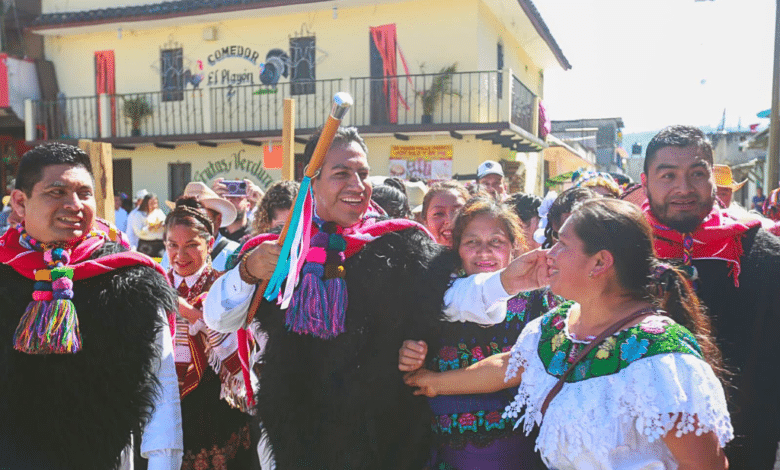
(341, 104)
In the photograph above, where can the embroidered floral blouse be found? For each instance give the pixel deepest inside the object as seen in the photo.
(629, 392)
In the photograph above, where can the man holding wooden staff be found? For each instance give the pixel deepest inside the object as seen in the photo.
(331, 395)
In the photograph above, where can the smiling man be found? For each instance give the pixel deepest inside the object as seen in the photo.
(735, 265)
(331, 395)
(85, 349)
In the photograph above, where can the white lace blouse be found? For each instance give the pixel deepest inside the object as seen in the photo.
(616, 421)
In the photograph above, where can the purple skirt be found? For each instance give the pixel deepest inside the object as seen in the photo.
(514, 452)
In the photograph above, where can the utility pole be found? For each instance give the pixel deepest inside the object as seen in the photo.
(773, 152)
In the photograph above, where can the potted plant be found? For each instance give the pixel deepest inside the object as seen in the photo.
(136, 110)
(441, 85)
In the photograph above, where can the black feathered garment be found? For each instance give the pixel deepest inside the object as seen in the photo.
(747, 326)
(76, 411)
(341, 403)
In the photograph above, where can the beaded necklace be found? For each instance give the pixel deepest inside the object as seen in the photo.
(50, 324)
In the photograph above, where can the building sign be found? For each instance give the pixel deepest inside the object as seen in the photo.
(246, 67)
(237, 165)
(426, 162)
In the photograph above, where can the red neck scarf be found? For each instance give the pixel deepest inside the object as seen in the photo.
(49, 325)
(26, 262)
(718, 237)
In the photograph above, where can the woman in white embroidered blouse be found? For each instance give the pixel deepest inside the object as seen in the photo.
(647, 397)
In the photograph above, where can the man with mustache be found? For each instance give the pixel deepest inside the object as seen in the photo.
(734, 265)
(330, 394)
(86, 354)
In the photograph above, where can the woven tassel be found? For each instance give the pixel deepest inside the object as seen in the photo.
(336, 290)
(31, 328)
(306, 313)
(62, 330)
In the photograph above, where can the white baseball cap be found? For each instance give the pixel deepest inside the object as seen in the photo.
(489, 167)
(141, 194)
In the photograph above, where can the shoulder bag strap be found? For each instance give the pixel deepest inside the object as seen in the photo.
(218, 248)
(604, 334)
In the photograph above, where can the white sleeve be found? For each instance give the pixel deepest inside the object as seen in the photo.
(227, 302)
(162, 441)
(479, 298)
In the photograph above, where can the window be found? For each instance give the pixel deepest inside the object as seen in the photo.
(302, 54)
(179, 174)
(171, 65)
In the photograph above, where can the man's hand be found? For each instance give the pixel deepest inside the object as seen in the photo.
(190, 313)
(253, 193)
(412, 354)
(261, 262)
(525, 273)
(219, 188)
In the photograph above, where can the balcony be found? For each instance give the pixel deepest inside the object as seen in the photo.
(493, 104)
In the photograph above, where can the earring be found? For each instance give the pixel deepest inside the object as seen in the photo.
(590, 274)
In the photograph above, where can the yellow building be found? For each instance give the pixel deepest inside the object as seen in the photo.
(194, 90)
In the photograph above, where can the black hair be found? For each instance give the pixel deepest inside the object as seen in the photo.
(279, 196)
(32, 163)
(344, 136)
(190, 213)
(621, 228)
(526, 206)
(391, 196)
(442, 187)
(487, 205)
(678, 136)
(562, 205)
(144, 206)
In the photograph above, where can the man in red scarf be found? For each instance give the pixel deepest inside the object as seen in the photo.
(85, 350)
(735, 266)
(331, 395)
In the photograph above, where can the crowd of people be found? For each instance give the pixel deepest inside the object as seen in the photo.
(441, 326)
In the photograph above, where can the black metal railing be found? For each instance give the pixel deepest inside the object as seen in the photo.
(66, 118)
(156, 114)
(261, 108)
(523, 109)
(435, 98)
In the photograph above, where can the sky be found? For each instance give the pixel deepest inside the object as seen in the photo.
(660, 62)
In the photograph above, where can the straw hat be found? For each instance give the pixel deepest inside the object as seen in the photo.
(415, 190)
(724, 179)
(210, 200)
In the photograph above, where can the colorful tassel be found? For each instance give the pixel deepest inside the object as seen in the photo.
(336, 290)
(306, 313)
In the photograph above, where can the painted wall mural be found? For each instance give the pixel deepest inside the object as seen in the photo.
(237, 165)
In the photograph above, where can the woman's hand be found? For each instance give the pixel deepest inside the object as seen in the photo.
(424, 380)
(412, 354)
(190, 313)
(526, 272)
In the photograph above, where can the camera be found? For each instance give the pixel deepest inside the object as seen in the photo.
(235, 187)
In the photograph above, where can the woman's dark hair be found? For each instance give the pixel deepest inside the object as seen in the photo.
(144, 206)
(620, 228)
(442, 187)
(190, 213)
(487, 205)
(391, 196)
(526, 206)
(561, 206)
(279, 196)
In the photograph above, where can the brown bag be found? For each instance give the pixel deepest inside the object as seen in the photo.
(604, 334)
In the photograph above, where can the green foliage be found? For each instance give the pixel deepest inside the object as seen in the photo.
(441, 85)
(136, 110)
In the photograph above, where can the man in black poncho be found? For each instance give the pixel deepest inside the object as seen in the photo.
(735, 266)
(85, 349)
(331, 395)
